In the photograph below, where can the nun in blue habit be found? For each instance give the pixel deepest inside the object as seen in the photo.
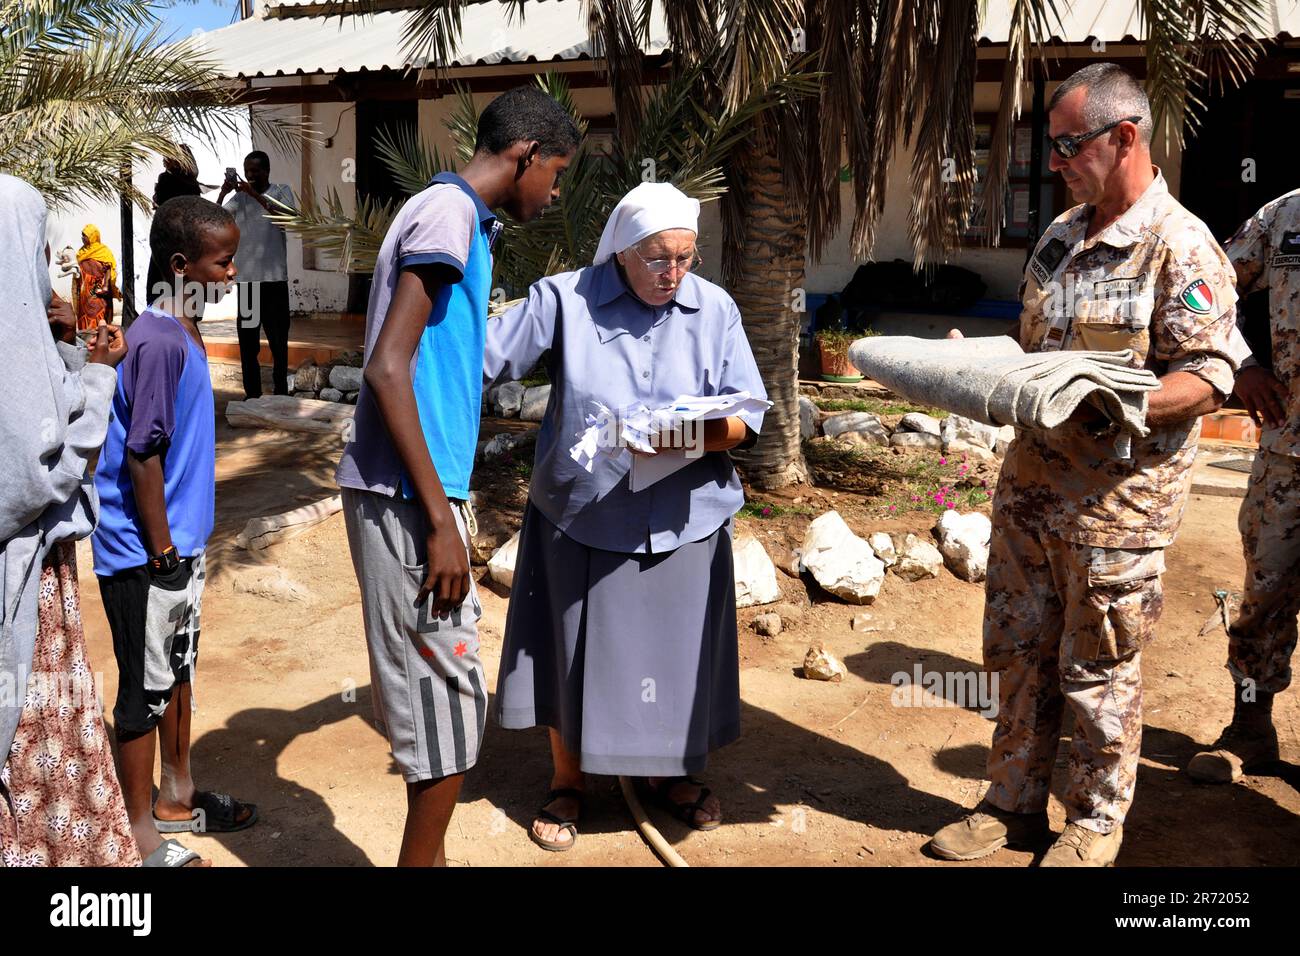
(621, 632)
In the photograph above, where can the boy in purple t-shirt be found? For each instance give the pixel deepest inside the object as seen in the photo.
(156, 481)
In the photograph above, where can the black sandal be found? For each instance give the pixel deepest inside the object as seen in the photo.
(213, 813)
(684, 812)
(563, 824)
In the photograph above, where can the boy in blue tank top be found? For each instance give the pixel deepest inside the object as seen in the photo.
(156, 481)
(405, 473)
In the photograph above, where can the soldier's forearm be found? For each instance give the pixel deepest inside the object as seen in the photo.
(1180, 397)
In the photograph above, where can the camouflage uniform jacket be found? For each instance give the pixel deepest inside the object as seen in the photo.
(1153, 281)
(1266, 254)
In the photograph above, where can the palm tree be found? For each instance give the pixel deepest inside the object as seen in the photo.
(892, 73)
(87, 87)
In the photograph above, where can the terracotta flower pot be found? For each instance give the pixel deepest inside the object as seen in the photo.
(836, 366)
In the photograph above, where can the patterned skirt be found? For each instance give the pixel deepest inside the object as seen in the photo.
(64, 804)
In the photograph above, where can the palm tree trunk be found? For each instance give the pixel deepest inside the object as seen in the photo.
(767, 288)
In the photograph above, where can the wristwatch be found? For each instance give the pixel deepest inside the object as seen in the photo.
(165, 563)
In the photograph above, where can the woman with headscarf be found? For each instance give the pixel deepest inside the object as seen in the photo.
(621, 633)
(98, 280)
(60, 803)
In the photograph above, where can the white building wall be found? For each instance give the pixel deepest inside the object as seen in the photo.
(315, 283)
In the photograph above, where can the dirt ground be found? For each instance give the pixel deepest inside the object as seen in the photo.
(824, 773)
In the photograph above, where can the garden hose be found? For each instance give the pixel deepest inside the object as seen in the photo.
(648, 830)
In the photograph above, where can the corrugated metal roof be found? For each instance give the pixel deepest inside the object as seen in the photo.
(293, 45)
(1114, 21)
(287, 43)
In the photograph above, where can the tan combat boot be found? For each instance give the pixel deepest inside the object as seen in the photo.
(987, 830)
(1079, 846)
(1249, 742)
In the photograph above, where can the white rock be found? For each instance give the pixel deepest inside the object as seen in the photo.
(1006, 435)
(502, 443)
(296, 413)
(970, 450)
(501, 566)
(345, 378)
(883, 545)
(506, 400)
(918, 559)
(964, 542)
(956, 428)
(270, 583)
(915, 440)
(533, 408)
(820, 664)
(840, 561)
(920, 423)
(331, 395)
(755, 574)
(862, 624)
(768, 625)
(807, 418)
(863, 423)
(309, 377)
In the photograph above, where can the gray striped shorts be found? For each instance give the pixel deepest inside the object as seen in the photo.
(427, 683)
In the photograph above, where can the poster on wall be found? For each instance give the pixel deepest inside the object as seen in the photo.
(1022, 152)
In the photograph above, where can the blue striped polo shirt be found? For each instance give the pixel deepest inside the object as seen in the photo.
(450, 225)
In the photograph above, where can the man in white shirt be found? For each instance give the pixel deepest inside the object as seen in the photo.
(263, 270)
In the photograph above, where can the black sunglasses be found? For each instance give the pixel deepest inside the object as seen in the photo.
(1067, 147)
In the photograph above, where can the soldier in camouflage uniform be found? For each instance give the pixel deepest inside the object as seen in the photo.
(1266, 254)
(1080, 521)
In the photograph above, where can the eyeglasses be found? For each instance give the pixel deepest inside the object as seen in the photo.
(661, 267)
(1067, 147)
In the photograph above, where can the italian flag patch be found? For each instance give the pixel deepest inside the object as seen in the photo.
(1198, 297)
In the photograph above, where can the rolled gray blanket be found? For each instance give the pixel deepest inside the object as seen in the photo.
(993, 381)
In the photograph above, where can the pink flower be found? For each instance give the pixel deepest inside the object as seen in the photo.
(947, 504)
(943, 461)
(893, 507)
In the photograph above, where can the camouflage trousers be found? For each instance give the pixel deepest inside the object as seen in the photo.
(1263, 637)
(1065, 624)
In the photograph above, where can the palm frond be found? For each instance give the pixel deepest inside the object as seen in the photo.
(51, 26)
(943, 169)
(1191, 43)
(618, 29)
(352, 239)
(462, 124)
(72, 114)
(692, 28)
(409, 157)
(757, 37)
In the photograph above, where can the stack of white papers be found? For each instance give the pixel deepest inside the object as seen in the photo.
(612, 435)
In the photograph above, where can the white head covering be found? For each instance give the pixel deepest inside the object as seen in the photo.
(647, 209)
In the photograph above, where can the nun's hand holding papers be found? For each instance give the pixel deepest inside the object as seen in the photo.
(657, 441)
